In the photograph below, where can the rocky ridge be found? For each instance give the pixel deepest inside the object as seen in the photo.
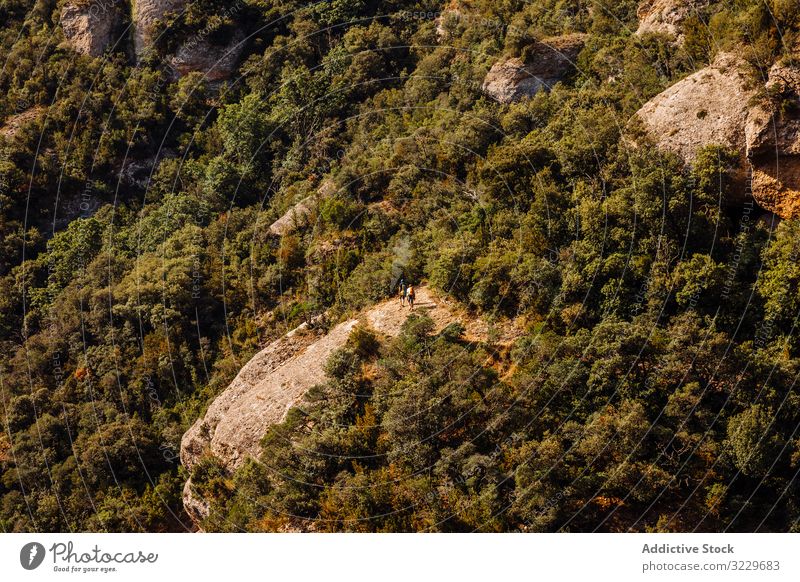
(276, 379)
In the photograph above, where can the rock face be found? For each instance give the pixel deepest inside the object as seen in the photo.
(451, 14)
(217, 62)
(298, 214)
(773, 143)
(719, 105)
(90, 26)
(667, 16)
(708, 107)
(294, 217)
(198, 53)
(196, 507)
(145, 15)
(261, 395)
(276, 379)
(545, 64)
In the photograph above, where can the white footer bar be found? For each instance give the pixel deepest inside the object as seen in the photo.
(409, 557)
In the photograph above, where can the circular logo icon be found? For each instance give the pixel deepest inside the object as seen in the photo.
(31, 555)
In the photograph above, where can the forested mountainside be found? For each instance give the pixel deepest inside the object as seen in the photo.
(606, 189)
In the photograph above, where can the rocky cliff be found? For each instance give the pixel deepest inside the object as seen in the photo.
(91, 26)
(146, 13)
(722, 104)
(773, 143)
(198, 53)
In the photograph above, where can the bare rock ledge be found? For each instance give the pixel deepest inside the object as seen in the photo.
(276, 379)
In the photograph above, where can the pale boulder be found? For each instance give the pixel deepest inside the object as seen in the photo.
(545, 63)
(709, 107)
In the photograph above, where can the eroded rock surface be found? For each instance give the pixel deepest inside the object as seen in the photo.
(216, 62)
(722, 105)
(545, 63)
(709, 107)
(293, 218)
(773, 143)
(90, 26)
(145, 15)
(196, 507)
(451, 15)
(667, 16)
(299, 213)
(276, 379)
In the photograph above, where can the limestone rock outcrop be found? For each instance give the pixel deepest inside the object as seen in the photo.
(261, 395)
(709, 107)
(198, 53)
(145, 15)
(545, 63)
(773, 143)
(667, 16)
(196, 507)
(722, 105)
(276, 379)
(91, 26)
(294, 217)
(216, 62)
(451, 14)
(299, 213)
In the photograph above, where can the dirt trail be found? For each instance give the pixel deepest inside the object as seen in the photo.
(388, 317)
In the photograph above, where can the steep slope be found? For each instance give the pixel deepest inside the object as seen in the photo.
(276, 379)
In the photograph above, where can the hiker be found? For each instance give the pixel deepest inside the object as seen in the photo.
(402, 290)
(410, 296)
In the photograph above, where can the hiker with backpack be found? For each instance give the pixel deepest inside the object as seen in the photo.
(411, 296)
(401, 288)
